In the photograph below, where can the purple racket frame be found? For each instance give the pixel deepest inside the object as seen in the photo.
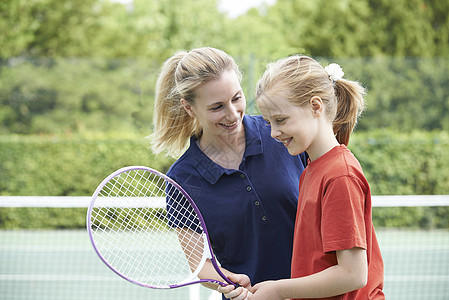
(200, 217)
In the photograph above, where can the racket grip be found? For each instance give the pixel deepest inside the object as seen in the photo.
(236, 285)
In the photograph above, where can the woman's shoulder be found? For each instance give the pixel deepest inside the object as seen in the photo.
(257, 120)
(259, 125)
(183, 164)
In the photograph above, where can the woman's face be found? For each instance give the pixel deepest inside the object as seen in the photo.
(219, 106)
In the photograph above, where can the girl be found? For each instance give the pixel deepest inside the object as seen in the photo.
(335, 250)
(244, 182)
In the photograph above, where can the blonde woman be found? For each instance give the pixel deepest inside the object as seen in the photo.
(244, 182)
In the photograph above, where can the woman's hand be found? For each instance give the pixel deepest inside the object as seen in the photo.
(240, 293)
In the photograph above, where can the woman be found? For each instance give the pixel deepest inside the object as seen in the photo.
(244, 182)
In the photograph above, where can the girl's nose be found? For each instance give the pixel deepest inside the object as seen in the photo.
(275, 133)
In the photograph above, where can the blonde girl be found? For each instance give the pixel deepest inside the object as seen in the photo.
(335, 251)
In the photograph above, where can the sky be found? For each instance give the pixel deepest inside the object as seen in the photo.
(235, 8)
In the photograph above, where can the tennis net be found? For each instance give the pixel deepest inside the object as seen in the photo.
(48, 264)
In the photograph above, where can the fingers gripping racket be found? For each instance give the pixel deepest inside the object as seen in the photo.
(148, 230)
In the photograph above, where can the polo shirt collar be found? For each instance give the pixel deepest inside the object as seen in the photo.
(212, 171)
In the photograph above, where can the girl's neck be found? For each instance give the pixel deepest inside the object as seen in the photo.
(322, 144)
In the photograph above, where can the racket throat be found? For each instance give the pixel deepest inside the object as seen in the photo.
(204, 257)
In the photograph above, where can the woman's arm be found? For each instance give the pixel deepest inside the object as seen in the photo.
(193, 246)
(350, 273)
(240, 293)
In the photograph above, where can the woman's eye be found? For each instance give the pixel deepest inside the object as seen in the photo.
(236, 98)
(218, 107)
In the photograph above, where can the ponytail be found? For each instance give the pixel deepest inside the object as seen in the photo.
(172, 125)
(350, 105)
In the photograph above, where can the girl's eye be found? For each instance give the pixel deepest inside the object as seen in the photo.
(237, 98)
(280, 120)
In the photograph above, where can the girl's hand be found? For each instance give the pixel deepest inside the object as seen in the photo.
(266, 290)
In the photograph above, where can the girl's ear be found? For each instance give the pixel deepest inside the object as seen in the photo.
(188, 107)
(317, 106)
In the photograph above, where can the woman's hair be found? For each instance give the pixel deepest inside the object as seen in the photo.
(299, 78)
(179, 77)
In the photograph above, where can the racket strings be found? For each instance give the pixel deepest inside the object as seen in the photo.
(145, 229)
(112, 248)
(191, 236)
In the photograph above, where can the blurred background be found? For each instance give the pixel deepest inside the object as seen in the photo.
(77, 80)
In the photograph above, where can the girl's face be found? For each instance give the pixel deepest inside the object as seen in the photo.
(295, 126)
(219, 106)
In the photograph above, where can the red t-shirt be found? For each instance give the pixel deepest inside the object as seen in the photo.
(334, 213)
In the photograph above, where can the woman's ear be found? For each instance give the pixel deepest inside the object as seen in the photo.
(317, 106)
(188, 107)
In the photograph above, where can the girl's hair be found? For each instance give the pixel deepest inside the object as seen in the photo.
(179, 77)
(299, 78)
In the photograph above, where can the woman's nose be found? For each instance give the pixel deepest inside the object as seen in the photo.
(233, 111)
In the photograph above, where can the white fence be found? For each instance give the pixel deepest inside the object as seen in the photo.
(83, 201)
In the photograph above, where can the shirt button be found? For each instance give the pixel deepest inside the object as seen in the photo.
(257, 203)
(242, 176)
(248, 188)
(264, 218)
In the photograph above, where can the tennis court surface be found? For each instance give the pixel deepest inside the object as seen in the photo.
(62, 265)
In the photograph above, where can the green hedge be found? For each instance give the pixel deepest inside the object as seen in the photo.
(404, 163)
(42, 218)
(394, 164)
(65, 166)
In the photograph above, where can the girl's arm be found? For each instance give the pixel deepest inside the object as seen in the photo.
(350, 273)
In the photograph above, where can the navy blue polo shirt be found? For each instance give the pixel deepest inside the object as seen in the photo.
(249, 212)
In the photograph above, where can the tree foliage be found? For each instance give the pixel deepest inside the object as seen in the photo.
(154, 28)
(81, 95)
(91, 65)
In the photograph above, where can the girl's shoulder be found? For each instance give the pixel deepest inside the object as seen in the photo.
(336, 163)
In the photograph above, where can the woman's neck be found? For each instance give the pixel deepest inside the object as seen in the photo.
(226, 151)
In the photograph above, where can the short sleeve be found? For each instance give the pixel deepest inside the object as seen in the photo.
(180, 213)
(343, 217)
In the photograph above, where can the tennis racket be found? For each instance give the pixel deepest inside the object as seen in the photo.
(148, 230)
